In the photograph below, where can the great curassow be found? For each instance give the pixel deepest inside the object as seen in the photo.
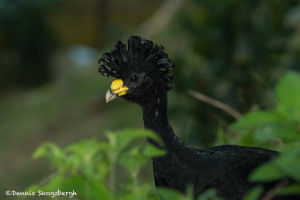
(142, 71)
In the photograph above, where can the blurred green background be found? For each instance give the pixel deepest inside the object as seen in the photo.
(50, 90)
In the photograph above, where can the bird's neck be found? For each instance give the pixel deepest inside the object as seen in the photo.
(155, 116)
(156, 119)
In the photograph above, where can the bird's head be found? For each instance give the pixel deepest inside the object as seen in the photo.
(141, 69)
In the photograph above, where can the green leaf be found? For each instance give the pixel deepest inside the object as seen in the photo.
(85, 188)
(41, 151)
(254, 194)
(287, 90)
(169, 194)
(54, 183)
(291, 168)
(210, 194)
(265, 173)
(82, 154)
(290, 189)
(128, 135)
(289, 161)
(139, 193)
(89, 146)
(152, 151)
(290, 115)
(273, 131)
(102, 171)
(256, 119)
(51, 151)
(133, 160)
(48, 149)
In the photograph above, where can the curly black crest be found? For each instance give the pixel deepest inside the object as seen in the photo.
(140, 55)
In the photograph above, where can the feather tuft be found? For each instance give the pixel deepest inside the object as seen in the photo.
(138, 55)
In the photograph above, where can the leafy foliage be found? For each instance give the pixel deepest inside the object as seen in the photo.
(276, 128)
(111, 169)
(105, 169)
(91, 167)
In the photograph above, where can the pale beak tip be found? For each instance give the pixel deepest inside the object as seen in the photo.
(110, 96)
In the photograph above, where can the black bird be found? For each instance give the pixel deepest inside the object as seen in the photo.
(142, 71)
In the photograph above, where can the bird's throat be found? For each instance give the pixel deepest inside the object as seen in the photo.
(156, 119)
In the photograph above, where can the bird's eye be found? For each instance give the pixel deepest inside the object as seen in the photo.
(133, 78)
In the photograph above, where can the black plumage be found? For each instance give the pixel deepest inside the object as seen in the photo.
(144, 70)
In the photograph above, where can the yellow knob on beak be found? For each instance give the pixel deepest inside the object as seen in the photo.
(116, 89)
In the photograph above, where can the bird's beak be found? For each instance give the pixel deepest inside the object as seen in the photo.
(116, 89)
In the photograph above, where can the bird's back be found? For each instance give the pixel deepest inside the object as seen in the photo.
(225, 168)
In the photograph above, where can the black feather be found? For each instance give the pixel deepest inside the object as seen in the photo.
(139, 55)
